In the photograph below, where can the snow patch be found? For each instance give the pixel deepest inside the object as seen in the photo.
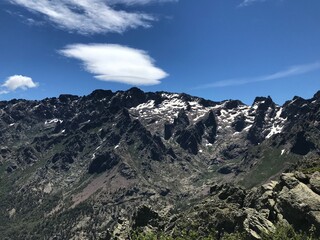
(277, 124)
(199, 117)
(255, 106)
(47, 188)
(169, 96)
(218, 106)
(279, 113)
(274, 130)
(167, 110)
(55, 120)
(149, 104)
(194, 104)
(12, 212)
(293, 101)
(247, 128)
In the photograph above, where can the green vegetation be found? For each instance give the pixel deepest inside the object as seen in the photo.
(282, 232)
(286, 232)
(309, 165)
(162, 236)
(270, 164)
(310, 170)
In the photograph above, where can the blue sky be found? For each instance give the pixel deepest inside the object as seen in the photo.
(216, 49)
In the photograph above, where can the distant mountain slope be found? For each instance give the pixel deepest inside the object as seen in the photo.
(81, 167)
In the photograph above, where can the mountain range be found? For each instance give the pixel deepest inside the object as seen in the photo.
(104, 165)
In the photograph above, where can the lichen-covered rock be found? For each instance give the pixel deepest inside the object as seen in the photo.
(315, 182)
(256, 223)
(298, 204)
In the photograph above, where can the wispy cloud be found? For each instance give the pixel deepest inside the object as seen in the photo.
(138, 2)
(246, 3)
(289, 72)
(27, 20)
(3, 92)
(89, 16)
(17, 82)
(116, 63)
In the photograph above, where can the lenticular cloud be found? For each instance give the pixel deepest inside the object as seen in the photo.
(116, 63)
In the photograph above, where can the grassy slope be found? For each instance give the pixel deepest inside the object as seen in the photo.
(270, 165)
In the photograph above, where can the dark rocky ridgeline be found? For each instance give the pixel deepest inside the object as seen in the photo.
(209, 121)
(301, 131)
(104, 164)
(239, 124)
(265, 109)
(146, 145)
(180, 123)
(189, 137)
(128, 99)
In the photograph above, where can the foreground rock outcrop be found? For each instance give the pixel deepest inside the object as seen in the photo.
(256, 212)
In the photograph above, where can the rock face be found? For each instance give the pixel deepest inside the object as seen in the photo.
(265, 109)
(290, 200)
(103, 162)
(257, 211)
(256, 223)
(298, 203)
(301, 145)
(315, 182)
(90, 163)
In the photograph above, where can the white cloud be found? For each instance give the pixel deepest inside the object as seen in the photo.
(89, 16)
(246, 3)
(3, 92)
(116, 63)
(289, 72)
(17, 81)
(139, 2)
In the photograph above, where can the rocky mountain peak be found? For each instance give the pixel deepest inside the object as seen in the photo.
(316, 96)
(232, 104)
(100, 94)
(263, 103)
(65, 98)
